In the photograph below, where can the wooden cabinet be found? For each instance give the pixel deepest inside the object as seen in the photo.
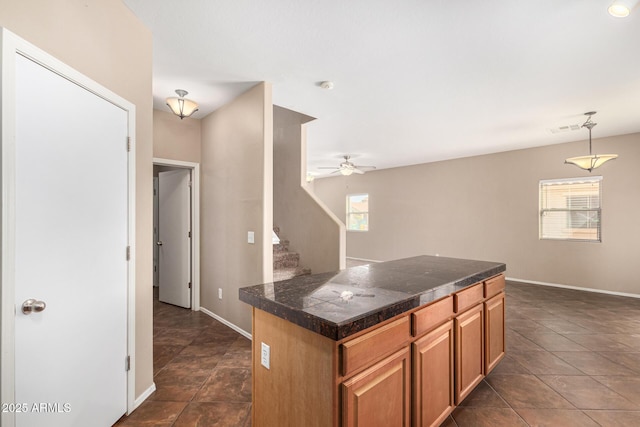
(494, 311)
(434, 314)
(468, 297)
(469, 351)
(432, 362)
(379, 396)
(362, 351)
(410, 370)
(494, 285)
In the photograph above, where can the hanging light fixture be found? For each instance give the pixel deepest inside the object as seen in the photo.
(180, 106)
(591, 161)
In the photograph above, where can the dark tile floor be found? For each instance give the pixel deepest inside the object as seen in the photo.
(573, 359)
(202, 372)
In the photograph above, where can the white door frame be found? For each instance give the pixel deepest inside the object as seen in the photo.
(195, 223)
(10, 46)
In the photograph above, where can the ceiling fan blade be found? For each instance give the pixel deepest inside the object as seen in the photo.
(347, 166)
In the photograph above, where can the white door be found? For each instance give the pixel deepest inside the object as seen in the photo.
(70, 252)
(156, 251)
(174, 219)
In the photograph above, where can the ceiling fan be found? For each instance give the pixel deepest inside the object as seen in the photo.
(347, 168)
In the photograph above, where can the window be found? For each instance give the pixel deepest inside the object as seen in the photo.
(358, 212)
(570, 209)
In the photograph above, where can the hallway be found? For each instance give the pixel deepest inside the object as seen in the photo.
(202, 372)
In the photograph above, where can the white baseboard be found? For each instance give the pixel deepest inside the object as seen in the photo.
(145, 394)
(362, 259)
(577, 288)
(226, 322)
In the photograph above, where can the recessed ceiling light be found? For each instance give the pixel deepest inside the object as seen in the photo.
(326, 85)
(622, 8)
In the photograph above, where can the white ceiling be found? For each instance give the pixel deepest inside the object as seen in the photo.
(415, 80)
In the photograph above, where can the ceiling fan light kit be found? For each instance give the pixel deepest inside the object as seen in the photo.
(346, 171)
(592, 161)
(347, 168)
(181, 106)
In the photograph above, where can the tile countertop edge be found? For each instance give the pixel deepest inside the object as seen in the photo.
(306, 320)
(339, 331)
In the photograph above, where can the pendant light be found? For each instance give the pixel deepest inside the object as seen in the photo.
(180, 106)
(592, 161)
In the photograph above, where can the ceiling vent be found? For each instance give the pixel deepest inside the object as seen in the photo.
(566, 128)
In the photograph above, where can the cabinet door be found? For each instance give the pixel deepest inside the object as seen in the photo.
(494, 331)
(379, 396)
(469, 354)
(432, 392)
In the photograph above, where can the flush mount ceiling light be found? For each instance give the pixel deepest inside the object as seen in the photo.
(591, 161)
(326, 85)
(180, 106)
(622, 8)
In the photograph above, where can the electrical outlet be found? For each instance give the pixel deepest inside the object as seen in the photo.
(265, 356)
(219, 293)
(251, 237)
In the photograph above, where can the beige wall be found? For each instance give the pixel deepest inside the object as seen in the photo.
(103, 40)
(176, 139)
(314, 232)
(236, 197)
(486, 207)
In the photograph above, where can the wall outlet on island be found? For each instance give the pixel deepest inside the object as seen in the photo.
(265, 355)
(219, 293)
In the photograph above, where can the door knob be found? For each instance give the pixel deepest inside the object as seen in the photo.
(33, 306)
(159, 243)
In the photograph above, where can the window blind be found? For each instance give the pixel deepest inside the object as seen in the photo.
(570, 209)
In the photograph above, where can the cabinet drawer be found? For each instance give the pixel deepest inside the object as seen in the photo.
(431, 316)
(494, 286)
(367, 348)
(468, 298)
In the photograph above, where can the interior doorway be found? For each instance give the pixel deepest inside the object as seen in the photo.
(176, 233)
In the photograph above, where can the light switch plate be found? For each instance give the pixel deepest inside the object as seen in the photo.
(265, 355)
(251, 237)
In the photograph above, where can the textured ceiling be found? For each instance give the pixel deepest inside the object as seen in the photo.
(415, 80)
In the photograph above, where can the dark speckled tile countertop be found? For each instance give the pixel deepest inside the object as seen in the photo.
(342, 303)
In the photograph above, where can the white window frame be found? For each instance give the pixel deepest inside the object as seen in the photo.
(349, 212)
(593, 213)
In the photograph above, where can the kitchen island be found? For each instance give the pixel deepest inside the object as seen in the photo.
(393, 343)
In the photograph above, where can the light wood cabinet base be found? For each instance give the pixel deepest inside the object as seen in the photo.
(432, 391)
(494, 312)
(412, 369)
(379, 396)
(469, 351)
